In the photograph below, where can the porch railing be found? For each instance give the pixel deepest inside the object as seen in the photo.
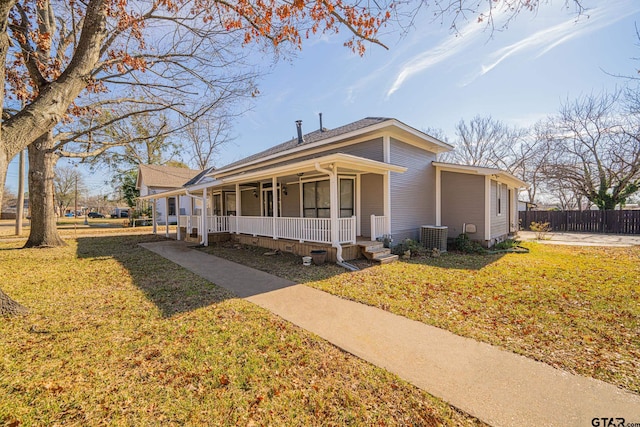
(317, 230)
(218, 224)
(347, 227)
(378, 226)
(304, 229)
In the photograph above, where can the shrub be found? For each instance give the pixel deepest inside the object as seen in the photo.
(506, 244)
(463, 244)
(409, 245)
(541, 229)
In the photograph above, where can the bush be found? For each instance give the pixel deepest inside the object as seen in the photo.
(506, 244)
(463, 244)
(541, 229)
(409, 245)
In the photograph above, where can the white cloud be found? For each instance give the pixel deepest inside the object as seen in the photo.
(549, 38)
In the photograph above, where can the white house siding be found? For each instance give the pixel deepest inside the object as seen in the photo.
(412, 192)
(371, 200)
(462, 202)
(291, 202)
(184, 207)
(499, 223)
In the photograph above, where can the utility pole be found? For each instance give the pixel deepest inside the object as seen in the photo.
(20, 204)
(75, 207)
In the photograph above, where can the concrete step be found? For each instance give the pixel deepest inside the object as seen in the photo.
(386, 259)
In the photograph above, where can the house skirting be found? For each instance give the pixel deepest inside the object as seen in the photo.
(349, 252)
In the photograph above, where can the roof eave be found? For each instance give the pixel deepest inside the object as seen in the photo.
(437, 145)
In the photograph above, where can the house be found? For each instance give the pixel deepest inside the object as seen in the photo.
(337, 188)
(153, 179)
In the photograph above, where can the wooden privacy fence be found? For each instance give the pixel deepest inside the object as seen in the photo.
(620, 222)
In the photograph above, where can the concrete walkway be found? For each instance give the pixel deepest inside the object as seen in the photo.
(583, 239)
(496, 386)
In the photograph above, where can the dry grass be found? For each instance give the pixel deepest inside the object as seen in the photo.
(118, 335)
(576, 308)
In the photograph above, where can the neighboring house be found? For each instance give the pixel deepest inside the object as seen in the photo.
(526, 206)
(153, 179)
(336, 187)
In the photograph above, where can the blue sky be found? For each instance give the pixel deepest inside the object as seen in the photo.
(431, 77)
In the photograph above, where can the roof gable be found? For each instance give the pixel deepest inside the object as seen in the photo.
(326, 136)
(164, 176)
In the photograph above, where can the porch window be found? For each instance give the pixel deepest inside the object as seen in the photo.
(172, 206)
(346, 198)
(316, 199)
(217, 204)
(230, 203)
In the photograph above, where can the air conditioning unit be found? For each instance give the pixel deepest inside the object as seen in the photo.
(434, 236)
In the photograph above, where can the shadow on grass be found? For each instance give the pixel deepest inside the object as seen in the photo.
(171, 288)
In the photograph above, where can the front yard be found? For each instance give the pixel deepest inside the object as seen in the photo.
(575, 308)
(117, 335)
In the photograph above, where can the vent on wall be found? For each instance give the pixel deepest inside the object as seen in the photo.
(433, 236)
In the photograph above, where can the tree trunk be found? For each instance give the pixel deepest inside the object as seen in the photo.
(4, 167)
(9, 307)
(42, 160)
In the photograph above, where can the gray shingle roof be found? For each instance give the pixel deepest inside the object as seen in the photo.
(309, 138)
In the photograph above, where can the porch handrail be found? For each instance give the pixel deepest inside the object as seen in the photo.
(378, 226)
(317, 230)
(255, 225)
(217, 224)
(304, 229)
(347, 230)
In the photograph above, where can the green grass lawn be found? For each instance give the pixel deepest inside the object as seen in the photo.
(118, 335)
(575, 308)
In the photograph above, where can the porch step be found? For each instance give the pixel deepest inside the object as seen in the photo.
(386, 259)
(370, 246)
(375, 251)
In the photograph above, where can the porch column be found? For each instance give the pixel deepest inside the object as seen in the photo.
(238, 205)
(487, 208)
(166, 210)
(333, 197)
(386, 185)
(438, 196)
(154, 212)
(274, 186)
(205, 220)
(178, 233)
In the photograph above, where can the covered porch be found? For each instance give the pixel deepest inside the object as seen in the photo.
(334, 201)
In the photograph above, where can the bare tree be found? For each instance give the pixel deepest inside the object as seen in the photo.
(67, 180)
(596, 149)
(204, 138)
(486, 142)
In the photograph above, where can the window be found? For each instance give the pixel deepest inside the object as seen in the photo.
(217, 204)
(316, 199)
(172, 206)
(499, 198)
(230, 203)
(346, 198)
